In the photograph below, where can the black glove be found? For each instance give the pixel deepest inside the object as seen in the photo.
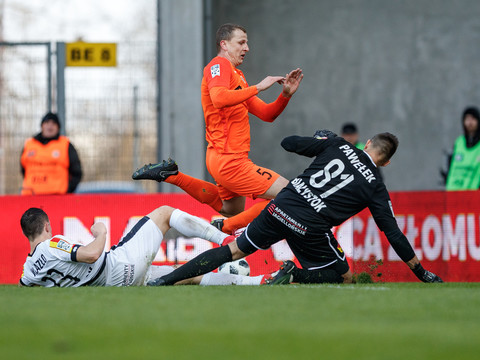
(322, 134)
(425, 275)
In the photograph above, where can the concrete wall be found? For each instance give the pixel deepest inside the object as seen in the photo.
(409, 67)
(181, 62)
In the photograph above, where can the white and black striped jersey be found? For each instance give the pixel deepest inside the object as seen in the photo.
(340, 182)
(53, 263)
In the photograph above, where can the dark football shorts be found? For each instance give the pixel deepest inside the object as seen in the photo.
(313, 252)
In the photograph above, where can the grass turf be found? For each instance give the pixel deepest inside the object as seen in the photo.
(363, 321)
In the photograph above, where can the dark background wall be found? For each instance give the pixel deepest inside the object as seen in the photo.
(409, 67)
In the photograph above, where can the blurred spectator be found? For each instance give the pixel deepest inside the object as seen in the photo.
(350, 133)
(464, 167)
(49, 162)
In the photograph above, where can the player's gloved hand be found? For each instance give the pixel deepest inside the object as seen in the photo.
(425, 275)
(322, 134)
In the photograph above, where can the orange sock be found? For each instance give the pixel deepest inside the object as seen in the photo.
(244, 218)
(203, 191)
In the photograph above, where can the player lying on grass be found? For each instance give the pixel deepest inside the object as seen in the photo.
(340, 182)
(55, 261)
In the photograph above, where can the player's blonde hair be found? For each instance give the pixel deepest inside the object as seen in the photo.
(225, 32)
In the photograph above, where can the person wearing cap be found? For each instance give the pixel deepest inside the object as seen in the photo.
(464, 170)
(350, 133)
(49, 162)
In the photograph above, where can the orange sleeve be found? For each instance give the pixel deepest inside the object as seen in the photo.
(222, 97)
(267, 112)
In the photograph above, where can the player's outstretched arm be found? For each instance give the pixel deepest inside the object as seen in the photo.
(422, 274)
(269, 112)
(91, 252)
(403, 248)
(292, 82)
(304, 145)
(269, 81)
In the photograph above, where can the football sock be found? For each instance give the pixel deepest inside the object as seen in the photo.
(203, 191)
(193, 226)
(202, 264)
(244, 218)
(318, 276)
(229, 279)
(155, 271)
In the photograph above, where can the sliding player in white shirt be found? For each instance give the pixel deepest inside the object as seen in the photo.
(56, 261)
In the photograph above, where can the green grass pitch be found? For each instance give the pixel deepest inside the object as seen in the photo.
(363, 321)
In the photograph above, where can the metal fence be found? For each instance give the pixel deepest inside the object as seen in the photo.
(110, 112)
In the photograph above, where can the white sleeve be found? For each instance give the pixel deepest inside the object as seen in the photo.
(62, 249)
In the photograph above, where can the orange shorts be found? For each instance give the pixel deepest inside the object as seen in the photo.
(236, 175)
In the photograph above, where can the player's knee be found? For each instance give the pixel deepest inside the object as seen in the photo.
(233, 206)
(276, 187)
(281, 182)
(161, 216)
(347, 277)
(162, 211)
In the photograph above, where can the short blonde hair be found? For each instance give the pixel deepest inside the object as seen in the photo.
(225, 32)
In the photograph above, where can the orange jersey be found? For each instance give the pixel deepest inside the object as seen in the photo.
(46, 167)
(226, 100)
(227, 126)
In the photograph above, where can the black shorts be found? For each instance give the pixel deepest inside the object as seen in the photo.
(312, 251)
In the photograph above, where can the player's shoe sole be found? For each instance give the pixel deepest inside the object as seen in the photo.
(283, 276)
(159, 172)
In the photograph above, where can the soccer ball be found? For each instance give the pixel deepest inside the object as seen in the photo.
(237, 267)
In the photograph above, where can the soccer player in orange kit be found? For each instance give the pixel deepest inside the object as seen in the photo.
(226, 100)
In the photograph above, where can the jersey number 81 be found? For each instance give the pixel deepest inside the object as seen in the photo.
(331, 171)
